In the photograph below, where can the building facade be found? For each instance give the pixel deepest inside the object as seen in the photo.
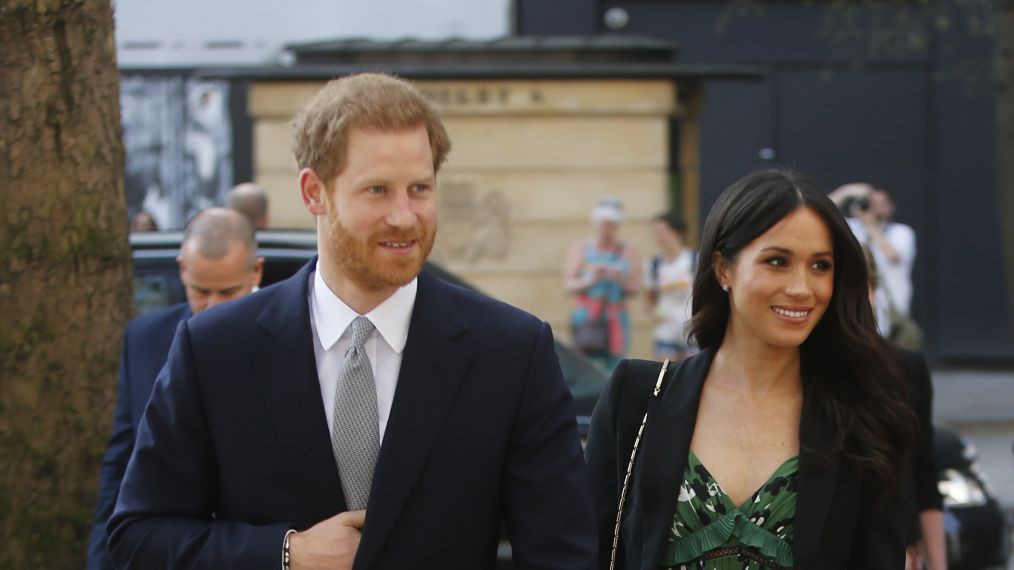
(899, 94)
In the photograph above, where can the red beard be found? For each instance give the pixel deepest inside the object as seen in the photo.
(362, 260)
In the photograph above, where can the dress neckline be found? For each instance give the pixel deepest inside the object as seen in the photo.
(788, 466)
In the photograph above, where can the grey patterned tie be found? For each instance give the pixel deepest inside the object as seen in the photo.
(355, 437)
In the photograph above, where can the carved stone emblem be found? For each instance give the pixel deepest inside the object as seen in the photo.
(474, 224)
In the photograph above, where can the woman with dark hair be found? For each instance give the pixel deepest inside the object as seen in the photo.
(779, 444)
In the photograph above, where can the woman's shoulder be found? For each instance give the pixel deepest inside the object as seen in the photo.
(638, 370)
(634, 379)
(626, 396)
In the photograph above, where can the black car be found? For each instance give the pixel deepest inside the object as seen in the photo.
(978, 536)
(977, 532)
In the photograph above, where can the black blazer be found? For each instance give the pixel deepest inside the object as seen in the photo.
(837, 525)
(920, 489)
(234, 448)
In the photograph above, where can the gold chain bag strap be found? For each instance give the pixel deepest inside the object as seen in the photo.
(630, 469)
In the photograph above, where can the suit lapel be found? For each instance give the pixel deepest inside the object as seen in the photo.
(665, 443)
(432, 368)
(817, 478)
(286, 371)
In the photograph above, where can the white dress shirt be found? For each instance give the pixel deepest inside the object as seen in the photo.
(330, 318)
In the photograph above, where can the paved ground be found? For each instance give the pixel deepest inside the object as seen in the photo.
(980, 405)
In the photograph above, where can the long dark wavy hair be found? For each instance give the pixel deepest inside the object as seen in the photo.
(849, 370)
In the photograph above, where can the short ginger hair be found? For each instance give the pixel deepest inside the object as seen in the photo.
(365, 100)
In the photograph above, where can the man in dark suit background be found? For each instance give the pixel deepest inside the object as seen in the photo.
(362, 413)
(218, 262)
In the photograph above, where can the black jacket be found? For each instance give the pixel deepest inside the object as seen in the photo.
(837, 525)
(920, 489)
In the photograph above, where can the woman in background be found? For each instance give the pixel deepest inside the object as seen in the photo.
(670, 277)
(781, 443)
(601, 272)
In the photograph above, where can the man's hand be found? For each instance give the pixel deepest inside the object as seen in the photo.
(878, 239)
(330, 544)
(855, 190)
(615, 275)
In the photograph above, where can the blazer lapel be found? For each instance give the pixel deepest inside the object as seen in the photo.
(432, 369)
(286, 371)
(665, 443)
(817, 478)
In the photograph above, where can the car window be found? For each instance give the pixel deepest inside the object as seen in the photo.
(156, 283)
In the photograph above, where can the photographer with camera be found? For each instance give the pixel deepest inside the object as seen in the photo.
(868, 211)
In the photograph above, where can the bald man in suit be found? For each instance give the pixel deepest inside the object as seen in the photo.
(218, 262)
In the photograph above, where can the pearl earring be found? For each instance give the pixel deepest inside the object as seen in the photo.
(725, 287)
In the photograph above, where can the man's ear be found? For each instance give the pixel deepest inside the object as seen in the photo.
(311, 189)
(258, 271)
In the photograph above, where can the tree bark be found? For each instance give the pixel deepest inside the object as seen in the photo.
(64, 272)
(1005, 137)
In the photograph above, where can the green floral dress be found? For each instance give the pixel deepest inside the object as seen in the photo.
(710, 532)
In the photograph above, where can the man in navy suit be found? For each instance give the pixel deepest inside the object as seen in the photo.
(361, 414)
(218, 262)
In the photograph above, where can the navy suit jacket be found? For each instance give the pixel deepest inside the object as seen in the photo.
(234, 448)
(146, 343)
(838, 523)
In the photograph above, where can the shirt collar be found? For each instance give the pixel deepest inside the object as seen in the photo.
(391, 318)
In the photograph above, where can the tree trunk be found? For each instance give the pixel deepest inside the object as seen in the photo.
(1005, 136)
(64, 272)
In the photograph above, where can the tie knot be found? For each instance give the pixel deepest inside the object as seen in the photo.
(361, 330)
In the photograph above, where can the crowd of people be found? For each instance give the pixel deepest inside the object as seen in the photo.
(602, 272)
(365, 414)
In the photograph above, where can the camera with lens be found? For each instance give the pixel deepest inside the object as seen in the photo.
(853, 203)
